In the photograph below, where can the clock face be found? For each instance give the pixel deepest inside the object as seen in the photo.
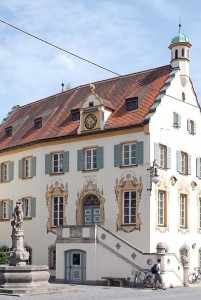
(90, 121)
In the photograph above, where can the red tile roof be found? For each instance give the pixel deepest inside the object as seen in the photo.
(56, 110)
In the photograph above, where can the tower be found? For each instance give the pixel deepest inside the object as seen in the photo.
(179, 47)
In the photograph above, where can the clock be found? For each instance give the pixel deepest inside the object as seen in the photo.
(90, 121)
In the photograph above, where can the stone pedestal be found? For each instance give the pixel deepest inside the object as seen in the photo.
(22, 279)
(18, 255)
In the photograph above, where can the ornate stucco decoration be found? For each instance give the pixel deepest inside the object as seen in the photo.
(163, 186)
(183, 188)
(126, 183)
(184, 253)
(89, 188)
(56, 189)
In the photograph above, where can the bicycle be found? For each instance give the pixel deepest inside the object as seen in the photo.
(195, 276)
(147, 280)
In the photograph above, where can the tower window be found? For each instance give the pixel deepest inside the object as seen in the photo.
(183, 96)
(183, 52)
(176, 53)
(91, 104)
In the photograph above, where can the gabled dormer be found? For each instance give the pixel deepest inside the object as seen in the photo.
(94, 112)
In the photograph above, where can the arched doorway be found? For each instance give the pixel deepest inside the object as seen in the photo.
(91, 210)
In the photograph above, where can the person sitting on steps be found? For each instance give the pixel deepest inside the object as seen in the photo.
(157, 276)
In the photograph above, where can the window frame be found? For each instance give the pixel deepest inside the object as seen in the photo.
(5, 210)
(5, 176)
(27, 167)
(90, 159)
(183, 211)
(129, 208)
(56, 214)
(132, 104)
(60, 162)
(26, 204)
(132, 159)
(184, 163)
(162, 208)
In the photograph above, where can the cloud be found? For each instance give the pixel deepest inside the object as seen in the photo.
(64, 61)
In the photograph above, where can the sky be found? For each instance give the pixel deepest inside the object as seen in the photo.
(124, 36)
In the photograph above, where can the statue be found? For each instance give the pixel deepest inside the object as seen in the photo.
(18, 216)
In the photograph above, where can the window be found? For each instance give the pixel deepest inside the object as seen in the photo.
(191, 126)
(5, 171)
(176, 53)
(27, 167)
(183, 211)
(8, 131)
(29, 207)
(129, 207)
(183, 96)
(52, 257)
(128, 154)
(6, 209)
(162, 154)
(183, 163)
(198, 167)
(176, 120)
(183, 52)
(57, 211)
(90, 159)
(38, 123)
(26, 207)
(75, 114)
(162, 209)
(132, 104)
(56, 163)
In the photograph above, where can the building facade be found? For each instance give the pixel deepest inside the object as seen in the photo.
(109, 175)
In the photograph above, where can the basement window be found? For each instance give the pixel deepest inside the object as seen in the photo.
(8, 131)
(38, 123)
(132, 104)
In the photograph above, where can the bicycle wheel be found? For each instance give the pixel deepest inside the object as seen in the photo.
(149, 281)
(191, 278)
(198, 278)
(135, 281)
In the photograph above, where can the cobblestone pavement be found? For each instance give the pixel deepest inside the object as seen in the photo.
(83, 292)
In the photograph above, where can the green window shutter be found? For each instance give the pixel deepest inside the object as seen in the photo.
(66, 161)
(33, 207)
(198, 167)
(188, 124)
(139, 153)
(168, 158)
(33, 166)
(20, 168)
(100, 158)
(11, 170)
(117, 155)
(80, 160)
(179, 161)
(179, 121)
(11, 209)
(189, 164)
(175, 119)
(156, 151)
(48, 164)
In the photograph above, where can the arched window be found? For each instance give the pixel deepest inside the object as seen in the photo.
(176, 53)
(183, 52)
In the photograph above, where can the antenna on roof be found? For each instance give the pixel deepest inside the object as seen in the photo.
(62, 87)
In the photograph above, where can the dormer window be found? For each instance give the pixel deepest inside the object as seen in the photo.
(38, 123)
(75, 114)
(8, 131)
(91, 104)
(132, 104)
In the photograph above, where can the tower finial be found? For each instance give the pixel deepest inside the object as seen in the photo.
(180, 25)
